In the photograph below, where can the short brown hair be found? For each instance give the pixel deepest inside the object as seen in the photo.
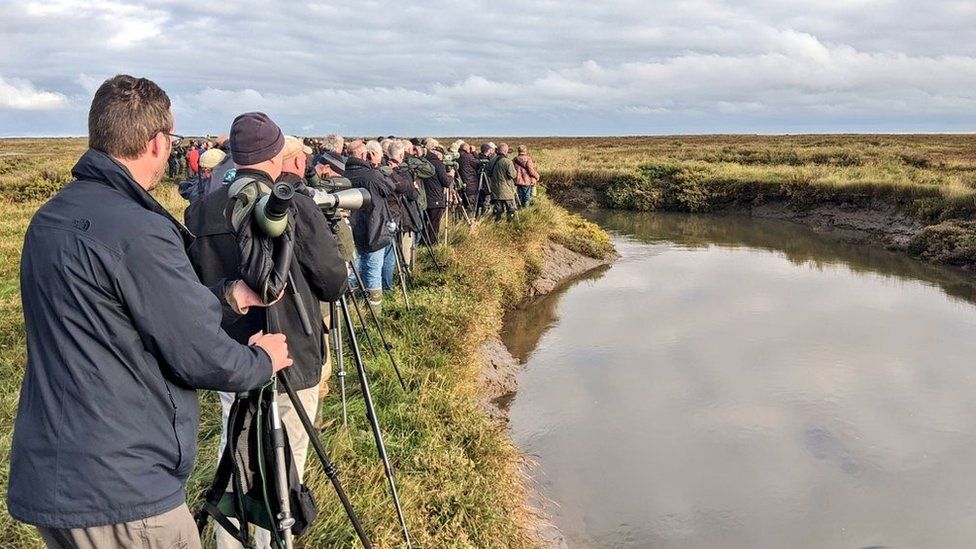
(125, 114)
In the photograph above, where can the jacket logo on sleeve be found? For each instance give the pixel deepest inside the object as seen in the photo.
(81, 224)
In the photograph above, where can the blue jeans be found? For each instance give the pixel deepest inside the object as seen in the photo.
(370, 266)
(524, 194)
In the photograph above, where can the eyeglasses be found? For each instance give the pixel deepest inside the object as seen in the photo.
(174, 139)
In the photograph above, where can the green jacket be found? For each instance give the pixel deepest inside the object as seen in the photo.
(502, 180)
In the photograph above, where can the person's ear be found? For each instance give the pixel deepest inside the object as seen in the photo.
(155, 145)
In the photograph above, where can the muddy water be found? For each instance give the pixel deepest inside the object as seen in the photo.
(747, 383)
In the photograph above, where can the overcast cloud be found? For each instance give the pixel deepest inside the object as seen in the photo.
(539, 68)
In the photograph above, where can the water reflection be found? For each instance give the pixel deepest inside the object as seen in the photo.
(796, 242)
(740, 383)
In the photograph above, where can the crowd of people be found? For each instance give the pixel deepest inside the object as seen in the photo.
(128, 312)
(419, 181)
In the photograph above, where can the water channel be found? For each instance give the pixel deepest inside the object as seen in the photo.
(734, 382)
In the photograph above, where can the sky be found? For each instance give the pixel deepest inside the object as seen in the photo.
(446, 68)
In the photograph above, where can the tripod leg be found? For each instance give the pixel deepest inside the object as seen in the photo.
(379, 330)
(371, 416)
(340, 359)
(403, 279)
(330, 469)
(359, 313)
(283, 518)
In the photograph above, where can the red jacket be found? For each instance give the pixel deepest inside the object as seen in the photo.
(193, 159)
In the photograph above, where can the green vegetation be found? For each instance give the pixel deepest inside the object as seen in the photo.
(931, 178)
(457, 472)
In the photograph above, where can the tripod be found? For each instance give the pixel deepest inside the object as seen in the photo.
(371, 414)
(420, 221)
(401, 273)
(480, 207)
(341, 306)
(379, 327)
(285, 521)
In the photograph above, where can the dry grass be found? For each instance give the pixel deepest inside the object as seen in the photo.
(457, 472)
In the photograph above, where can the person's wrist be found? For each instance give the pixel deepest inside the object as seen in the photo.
(236, 297)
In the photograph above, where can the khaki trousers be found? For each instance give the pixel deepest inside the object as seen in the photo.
(297, 438)
(406, 248)
(170, 530)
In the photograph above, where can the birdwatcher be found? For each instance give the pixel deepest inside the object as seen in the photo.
(263, 153)
(502, 179)
(526, 176)
(404, 189)
(120, 335)
(193, 159)
(334, 143)
(219, 176)
(195, 188)
(370, 226)
(468, 165)
(484, 176)
(434, 188)
(329, 170)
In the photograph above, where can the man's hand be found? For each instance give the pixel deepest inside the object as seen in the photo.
(243, 297)
(275, 346)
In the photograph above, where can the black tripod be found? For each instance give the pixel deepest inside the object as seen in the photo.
(481, 206)
(402, 274)
(371, 413)
(376, 322)
(421, 222)
(285, 520)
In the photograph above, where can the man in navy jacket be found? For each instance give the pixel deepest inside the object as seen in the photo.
(120, 334)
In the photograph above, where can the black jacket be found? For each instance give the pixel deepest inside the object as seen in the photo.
(404, 189)
(120, 333)
(434, 186)
(369, 225)
(468, 165)
(318, 269)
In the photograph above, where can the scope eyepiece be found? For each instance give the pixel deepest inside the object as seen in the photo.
(279, 200)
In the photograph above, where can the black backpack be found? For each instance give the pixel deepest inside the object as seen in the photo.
(244, 486)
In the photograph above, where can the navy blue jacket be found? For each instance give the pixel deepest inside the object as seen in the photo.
(120, 333)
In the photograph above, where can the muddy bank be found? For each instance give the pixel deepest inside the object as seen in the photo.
(499, 375)
(876, 223)
(861, 220)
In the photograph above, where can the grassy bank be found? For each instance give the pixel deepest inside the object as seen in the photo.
(456, 471)
(931, 179)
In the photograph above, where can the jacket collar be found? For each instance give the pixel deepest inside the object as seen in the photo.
(98, 167)
(255, 174)
(357, 163)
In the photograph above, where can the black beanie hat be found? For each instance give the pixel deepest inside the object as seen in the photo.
(255, 138)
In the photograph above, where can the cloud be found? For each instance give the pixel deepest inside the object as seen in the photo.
(540, 68)
(22, 95)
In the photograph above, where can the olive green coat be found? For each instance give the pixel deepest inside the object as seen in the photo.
(502, 180)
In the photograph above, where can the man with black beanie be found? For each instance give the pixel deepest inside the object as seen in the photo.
(318, 274)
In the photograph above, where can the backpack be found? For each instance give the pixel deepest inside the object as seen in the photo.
(245, 486)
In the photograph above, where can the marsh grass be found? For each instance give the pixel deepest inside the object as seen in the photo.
(457, 473)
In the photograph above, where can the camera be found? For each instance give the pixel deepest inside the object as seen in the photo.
(348, 199)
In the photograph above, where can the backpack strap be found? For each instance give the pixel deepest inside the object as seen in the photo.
(228, 471)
